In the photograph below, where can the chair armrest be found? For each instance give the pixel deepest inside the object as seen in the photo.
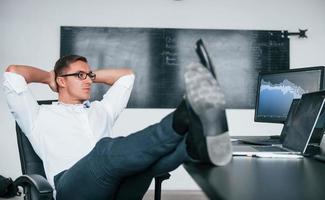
(36, 185)
(158, 181)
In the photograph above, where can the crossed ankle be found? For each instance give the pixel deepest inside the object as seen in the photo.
(181, 119)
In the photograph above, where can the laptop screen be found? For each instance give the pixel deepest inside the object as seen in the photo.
(288, 122)
(318, 132)
(301, 125)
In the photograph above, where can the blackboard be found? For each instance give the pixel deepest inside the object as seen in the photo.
(158, 57)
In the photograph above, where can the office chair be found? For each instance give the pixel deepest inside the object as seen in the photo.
(36, 187)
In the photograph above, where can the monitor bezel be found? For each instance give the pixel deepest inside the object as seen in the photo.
(261, 74)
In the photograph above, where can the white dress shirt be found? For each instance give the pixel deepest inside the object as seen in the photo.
(61, 134)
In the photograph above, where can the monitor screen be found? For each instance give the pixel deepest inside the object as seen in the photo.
(276, 90)
(304, 122)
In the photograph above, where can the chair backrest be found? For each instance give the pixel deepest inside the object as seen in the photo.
(29, 160)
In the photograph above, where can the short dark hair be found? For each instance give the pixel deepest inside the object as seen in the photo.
(65, 61)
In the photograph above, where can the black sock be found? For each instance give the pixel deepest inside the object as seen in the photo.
(181, 119)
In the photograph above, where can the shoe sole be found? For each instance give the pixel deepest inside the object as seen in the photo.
(205, 97)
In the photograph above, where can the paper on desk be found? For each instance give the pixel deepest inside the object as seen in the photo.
(274, 155)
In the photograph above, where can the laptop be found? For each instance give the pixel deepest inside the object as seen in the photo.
(305, 122)
(269, 140)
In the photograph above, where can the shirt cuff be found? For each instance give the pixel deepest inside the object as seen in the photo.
(15, 82)
(126, 81)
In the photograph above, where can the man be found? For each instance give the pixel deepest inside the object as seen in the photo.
(71, 136)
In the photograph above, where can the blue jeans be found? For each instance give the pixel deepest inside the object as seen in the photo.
(154, 150)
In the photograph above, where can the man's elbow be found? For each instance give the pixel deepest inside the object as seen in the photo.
(130, 71)
(11, 68)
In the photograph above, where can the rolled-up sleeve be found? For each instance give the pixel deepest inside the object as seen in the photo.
(20, 100)
(117, 97)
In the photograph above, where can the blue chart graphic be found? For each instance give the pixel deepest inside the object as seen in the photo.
(275, 99)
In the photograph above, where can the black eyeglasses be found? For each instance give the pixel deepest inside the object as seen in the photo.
(82, 75)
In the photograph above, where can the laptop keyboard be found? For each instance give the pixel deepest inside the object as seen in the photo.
(269, 148)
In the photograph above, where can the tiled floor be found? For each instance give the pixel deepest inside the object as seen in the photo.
(16, 198)
(177, 195)
(166, 195)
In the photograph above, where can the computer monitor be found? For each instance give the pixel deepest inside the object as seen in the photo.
(276, 90)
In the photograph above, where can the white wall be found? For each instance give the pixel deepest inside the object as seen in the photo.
(29, 34)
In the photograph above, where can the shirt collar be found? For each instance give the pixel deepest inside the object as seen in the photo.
(85, 104)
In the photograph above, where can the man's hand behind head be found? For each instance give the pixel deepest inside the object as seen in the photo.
(52, 83)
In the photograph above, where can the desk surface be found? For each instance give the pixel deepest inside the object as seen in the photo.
(261, 178)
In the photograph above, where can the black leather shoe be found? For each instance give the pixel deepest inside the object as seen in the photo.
(208, 138)
(181, 119)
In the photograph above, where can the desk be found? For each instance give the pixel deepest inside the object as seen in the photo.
(261, 178)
